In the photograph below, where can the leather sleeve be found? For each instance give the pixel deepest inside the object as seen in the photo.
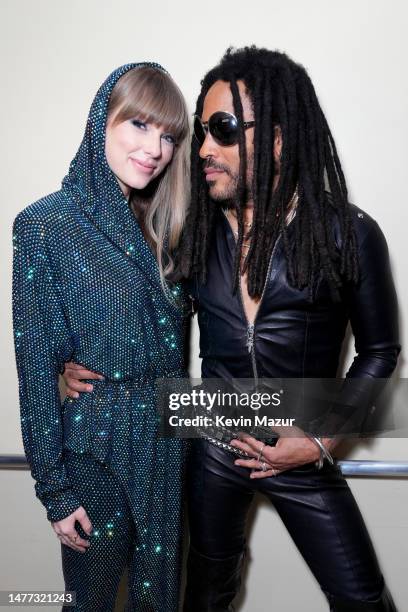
(373, 313)
(374, 310)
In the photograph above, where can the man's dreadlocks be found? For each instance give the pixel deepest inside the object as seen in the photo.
(282, 95)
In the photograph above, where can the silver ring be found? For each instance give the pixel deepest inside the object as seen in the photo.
(263, 466)
(260, 452)
(274, 472)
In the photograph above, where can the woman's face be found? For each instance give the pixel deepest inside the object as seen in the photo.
(137, 152)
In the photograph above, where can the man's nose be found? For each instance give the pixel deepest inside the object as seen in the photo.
(209, 148)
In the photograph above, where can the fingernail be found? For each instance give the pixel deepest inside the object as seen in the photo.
(101, 378)
(89, 387)
(76, 395)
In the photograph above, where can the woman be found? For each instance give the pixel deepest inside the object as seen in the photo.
(90, 286)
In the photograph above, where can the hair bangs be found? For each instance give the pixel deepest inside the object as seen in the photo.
(151, 96)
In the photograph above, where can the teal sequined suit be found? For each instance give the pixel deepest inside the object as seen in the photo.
(86, 288)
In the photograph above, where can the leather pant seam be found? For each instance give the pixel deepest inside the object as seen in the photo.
(327, 506)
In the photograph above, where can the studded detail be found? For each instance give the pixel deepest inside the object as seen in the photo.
(224, 445)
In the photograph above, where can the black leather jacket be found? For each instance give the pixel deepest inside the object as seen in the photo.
(293, 337)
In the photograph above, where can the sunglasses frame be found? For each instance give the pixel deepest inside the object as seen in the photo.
(206, 127)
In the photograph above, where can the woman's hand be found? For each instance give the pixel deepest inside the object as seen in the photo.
(68, 535)
(73, 375)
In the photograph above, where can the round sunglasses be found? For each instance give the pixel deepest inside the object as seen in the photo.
(223, 127)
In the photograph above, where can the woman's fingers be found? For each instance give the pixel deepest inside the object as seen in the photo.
(72, 544)
(66, 532)
(83, 520)
(75, 539)
(69, 536)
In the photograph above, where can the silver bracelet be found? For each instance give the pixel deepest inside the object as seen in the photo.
(324, 453)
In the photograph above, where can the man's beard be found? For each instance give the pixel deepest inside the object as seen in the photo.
(228, 197)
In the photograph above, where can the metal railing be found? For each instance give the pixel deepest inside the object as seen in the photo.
(358, 467)
(13, 462)
(353, 467)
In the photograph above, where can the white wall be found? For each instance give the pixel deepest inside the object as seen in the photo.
(55, 54)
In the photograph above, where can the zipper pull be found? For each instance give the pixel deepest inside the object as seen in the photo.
(192, 301)
(250, 337)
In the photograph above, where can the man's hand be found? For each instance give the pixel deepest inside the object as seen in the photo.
(68, 535)
(288, 453)
(73, 375)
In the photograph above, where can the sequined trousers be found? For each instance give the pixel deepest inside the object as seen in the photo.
(130, 483)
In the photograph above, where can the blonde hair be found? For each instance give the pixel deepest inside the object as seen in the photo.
(151, 95)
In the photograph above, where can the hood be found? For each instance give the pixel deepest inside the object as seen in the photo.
(93, 186)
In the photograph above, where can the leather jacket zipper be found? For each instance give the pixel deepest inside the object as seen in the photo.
(251, 351)
(251, 326)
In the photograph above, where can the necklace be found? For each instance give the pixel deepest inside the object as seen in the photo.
(248, 225)
(229, 211)
(246, 242)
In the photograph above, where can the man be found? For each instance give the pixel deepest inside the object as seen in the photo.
(279, 267)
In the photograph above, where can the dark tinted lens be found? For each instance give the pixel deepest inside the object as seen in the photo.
(199, 131)
(224, 128)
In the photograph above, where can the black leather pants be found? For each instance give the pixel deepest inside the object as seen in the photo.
(317, 508)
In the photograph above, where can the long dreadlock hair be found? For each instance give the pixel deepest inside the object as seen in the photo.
(282, 94)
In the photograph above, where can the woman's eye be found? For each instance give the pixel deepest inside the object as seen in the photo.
(138, 124)
(169, 138)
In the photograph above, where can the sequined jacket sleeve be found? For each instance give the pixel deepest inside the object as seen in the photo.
(42, 344)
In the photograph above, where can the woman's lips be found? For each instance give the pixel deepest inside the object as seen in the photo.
(147, 168)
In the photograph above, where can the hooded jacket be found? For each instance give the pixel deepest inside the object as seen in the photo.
(86, 287)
